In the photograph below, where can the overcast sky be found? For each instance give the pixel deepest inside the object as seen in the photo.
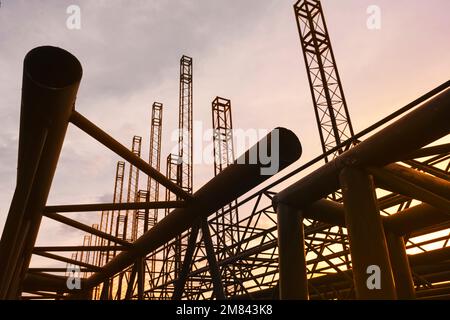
(245, 50)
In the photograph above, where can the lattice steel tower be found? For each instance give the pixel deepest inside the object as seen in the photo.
(227, 219)
(330, 107)
(185, 124)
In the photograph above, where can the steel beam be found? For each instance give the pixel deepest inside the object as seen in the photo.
(237, 179)
(78, 248)
(413, 188)
(112, 144)
(88, 229)
(64, 270)
(429, 151)
(382, 148)
(115, 206)
(68, 260)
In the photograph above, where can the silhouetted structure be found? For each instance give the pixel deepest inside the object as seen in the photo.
(316, 238)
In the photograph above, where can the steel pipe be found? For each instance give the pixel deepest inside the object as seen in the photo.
(292, 262)
(88, 229)
(115, 206)
(430, 120)
(368, 247)
(112, 144)
(237, 179)
(50, 83)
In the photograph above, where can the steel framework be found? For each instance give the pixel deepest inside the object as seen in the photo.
(393, 213)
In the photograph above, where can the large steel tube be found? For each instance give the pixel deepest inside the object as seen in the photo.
(407, 221)
(436, 185)
(234, 181)
(427, 123)
(293, 281)
(50, 83)
(414, 219)
(404, 284)
(366, 235)
(413, 189)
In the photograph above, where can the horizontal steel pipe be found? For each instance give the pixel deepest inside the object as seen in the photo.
(64, 270)
(95, 207)
(46, 282)
(234, 181)
(88, 229)
(112, 144)
(67, 260)
(430, 151)
(414, 189)
(326, 211)
(414, 219)
(426, 124)
(436, 185)
(51, 78)
(79, 248)
(404, 222)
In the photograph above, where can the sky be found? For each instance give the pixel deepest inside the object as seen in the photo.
(244, 50)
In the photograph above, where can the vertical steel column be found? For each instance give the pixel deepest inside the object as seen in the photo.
(293, 282)
(140, 278)
(50, 83)
(368, 247)
(404, 284)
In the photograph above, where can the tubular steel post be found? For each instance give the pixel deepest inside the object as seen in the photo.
(293, 283)
(367, 241)
(404, 284)
(50, 83)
